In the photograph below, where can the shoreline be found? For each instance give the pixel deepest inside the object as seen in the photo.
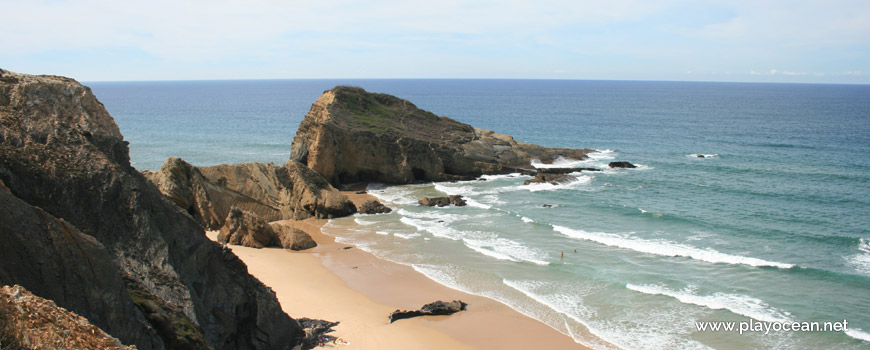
(339, 282)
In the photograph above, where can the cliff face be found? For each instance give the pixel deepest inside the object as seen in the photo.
(291, 191)
(351, 135)
(71, 190)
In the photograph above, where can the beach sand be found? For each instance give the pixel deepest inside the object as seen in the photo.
(337, 282)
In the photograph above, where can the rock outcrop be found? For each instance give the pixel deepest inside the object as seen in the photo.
(553, 179)
(30, 322)
(247, 229)
(373, 207)
(83, 228)
(207, 193)
(351, 135)
(442, 201)
(625, 165)
(438, 308)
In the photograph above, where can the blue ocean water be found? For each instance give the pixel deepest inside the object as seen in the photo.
(770, 225)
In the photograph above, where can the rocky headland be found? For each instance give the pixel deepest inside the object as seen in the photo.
(351, 135)
(83, 228)
(208, 193)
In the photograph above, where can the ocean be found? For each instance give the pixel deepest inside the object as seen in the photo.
(771, 225)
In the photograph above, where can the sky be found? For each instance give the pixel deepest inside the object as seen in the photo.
(826, 41)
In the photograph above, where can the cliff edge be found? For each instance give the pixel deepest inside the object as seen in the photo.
(83, 228)
(351, 135)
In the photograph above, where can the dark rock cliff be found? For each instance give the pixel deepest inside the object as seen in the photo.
(71, 190)
(351, 135)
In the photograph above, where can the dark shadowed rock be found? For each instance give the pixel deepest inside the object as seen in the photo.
(351, 135)
(373, 207)
(621, 165)
(438, 308)
(316, 332)
(291, 191)
(456, 200)
(97, 224)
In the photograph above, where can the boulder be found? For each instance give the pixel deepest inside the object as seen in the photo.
(373, 207)
(316, 332)
(456, 200)
(351, 135)
(621, 165)
(292, 238)
(438, 308)
(247, 229)
(291, 191)
(86, 229)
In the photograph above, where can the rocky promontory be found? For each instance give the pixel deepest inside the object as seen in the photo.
(83, 228)
(207, 193)
(351, 135)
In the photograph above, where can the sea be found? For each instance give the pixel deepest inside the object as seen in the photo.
(750, 203)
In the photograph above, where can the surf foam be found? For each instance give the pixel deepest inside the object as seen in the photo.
(665, 248)
(739, 304)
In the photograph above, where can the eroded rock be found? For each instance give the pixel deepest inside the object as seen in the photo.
(456, 200)
(438, 308)
(351, 135)
(373, 207)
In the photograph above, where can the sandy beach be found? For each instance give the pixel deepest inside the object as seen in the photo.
(337, 282)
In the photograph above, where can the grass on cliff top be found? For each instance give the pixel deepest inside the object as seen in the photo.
(380, 113)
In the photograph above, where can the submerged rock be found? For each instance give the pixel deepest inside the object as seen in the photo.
(351, 135)
(456, 200)
(438, 308)
(621, 165)
(373, 207)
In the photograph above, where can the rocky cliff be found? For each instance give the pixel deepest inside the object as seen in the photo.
(208, 193)
(82, 227)
(352, 135)
(30, 322)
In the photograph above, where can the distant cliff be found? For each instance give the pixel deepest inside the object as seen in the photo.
(83, 228)
(352, 135)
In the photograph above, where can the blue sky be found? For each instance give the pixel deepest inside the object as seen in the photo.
(757, 41)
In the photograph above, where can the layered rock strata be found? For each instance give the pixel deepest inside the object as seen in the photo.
(351, 135)
(83, 228)
(208, 193)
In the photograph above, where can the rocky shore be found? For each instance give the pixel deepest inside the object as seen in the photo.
(127, 251)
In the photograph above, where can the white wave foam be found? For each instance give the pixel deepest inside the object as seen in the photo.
(560, 162)
(739, 304)
(861, 260)
(506, 249)
(858, 334)
(638, 336)
(499, 177)
(360, 221)
(703, 155)
(527, 220)
(864, 246)
(535, 187)
(407, 235)
(665, 248)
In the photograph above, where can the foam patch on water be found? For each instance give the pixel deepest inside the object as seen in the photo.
(527, 220)
(703, 155)
(560, 162)
(506, 249)
(666, 248)
(626, 336)
(535, 187)
(393, 194)
(858, 334)
(739, 304)
(861, 260)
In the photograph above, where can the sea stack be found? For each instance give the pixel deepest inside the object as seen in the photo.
(351, 135)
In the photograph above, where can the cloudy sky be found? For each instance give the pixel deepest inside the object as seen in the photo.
(825, 41)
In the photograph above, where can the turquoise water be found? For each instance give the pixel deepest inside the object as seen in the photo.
(771, 225)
